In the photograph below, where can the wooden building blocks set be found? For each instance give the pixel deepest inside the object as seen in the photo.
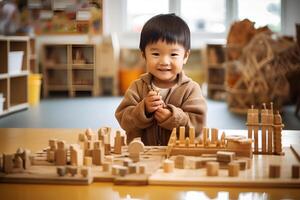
(212, 159)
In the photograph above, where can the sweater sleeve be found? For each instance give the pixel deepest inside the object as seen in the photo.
(131, 111)
(191, 113)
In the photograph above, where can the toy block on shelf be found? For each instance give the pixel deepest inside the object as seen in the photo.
(61, 153)
(192, 136)
(98, 153)
(295, 171)
(88, 161)
(233, 169)
(118, 143)
(181, 136)
(274, 171)
(85, 171)
(76, 155)
(135, 147)
(8, 163)
(225, 156)
(61, 170)
(168, 166)
(180, 162)
(212, 168)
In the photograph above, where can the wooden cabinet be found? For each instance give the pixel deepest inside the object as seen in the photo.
(215, 71)
(70, 68)
(13, 83)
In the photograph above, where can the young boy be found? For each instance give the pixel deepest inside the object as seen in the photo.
(164, 97)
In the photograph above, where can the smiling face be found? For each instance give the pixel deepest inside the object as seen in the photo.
(164, 61)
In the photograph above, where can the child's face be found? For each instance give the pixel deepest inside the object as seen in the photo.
(164, 61)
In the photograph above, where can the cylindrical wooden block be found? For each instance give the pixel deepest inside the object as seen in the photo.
(179, 162)
(88, 161)
(85, 171)
(233, 169)
(107, 149)
(295, 171)
(274, 171)
(142, 169)
(115, 170)
(168, 166)
(106, 166)
(132, 169)
(123, 170)
(212, 168)
(72, 170)
(61, 171)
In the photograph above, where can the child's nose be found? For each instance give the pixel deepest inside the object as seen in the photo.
(164, 60)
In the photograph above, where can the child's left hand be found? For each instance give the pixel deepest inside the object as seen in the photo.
(161, 114)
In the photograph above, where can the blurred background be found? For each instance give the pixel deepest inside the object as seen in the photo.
(67, 63)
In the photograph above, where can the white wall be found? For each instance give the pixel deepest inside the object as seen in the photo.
(290, 16)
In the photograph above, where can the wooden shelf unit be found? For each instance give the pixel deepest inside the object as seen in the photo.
(215, 73)
(14, 86)
(69, 68)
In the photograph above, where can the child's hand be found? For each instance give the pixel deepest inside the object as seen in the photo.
(161, 114)
(153, 101)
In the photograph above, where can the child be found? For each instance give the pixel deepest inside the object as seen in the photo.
(164, 97)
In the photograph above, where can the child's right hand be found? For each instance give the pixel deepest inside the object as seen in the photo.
(153, 101)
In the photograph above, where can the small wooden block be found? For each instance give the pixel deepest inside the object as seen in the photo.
(61, 144)
(142, 169)
(295, 171)
(50, 155)
(212, 168)
(132, 168)
(233, 169)
(115, 170)
(107, 149)
(85, 171)
(180, 162)
(168, 166)
(61, 171)
(106, 166)
(88, 161)
(72, 170)
(53, 144)
(224, 156)
(60, 156)
(242, 163)
(274, 171)
(123, 170)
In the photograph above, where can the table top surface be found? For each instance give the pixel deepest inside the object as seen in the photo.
(36, 139)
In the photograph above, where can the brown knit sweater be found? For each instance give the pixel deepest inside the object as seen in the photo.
(185, 101)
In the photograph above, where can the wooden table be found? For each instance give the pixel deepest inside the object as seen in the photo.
(36, 139)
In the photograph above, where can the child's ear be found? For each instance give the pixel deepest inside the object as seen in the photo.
(186, 56)
(143, 54)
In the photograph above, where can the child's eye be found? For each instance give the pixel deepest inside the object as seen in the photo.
(174, 54)
(155, 54)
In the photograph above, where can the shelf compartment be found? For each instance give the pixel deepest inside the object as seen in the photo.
(57, 77)
(18, 90)
(3, 90)
(55, 55)
(216, 76)
(3, 57)
(82, 77)
(21, 46)
(83, 54)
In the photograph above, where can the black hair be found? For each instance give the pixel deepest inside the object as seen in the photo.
(165, 27)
